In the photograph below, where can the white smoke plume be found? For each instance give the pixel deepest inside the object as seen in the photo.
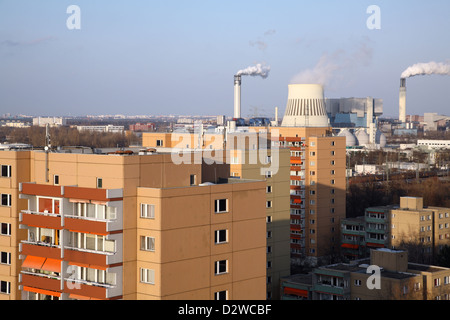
(257, 70)
(337, 67)
(427, 69)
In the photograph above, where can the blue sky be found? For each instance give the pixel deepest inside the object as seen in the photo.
(179, 57)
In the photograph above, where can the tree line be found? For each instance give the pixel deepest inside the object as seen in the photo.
(67, 136)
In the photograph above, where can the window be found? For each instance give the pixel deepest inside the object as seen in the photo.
(269, 234)
(147, 276)
(332, 153)
(312, 202)
(56, 179)
(269, 174)
(269, 249)
(332, 172)
(5, 257)
(6, 171)
(333, 191)
(220, 236)
(147, 211)
(6, 229)
(332, 200)
(221, 205)
(358, 283)
(332, 162)
(269, 264)
(5, 287)
(99, 183)
(333, 182)
(437, 282)
(312, 153)
(159, 143)
(269, 219)
(221, 295)
(312, 163)
(269, 189)
(332, 143)
(193, 179)
(312, 192)
(269, 204)
(6, 200)
(147, 243)
(221, 267)
(446, 280)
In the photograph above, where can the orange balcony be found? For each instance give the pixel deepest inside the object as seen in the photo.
(38, 250)
(41, 282)
(86, 258)
(86, 226)
(35, 219)
(77, 289)
(41, 190)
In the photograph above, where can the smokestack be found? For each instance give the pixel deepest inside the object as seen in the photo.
(237, 96)
(276, 116)
(402, 101)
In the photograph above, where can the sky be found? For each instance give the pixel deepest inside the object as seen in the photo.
(179, 57)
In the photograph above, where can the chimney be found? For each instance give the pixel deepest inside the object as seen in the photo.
(237, 96)
(402, 101)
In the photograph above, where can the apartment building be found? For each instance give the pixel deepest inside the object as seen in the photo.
(248, 154)
(395, 279)
(397, 226)
(317, 190)
(128, 226)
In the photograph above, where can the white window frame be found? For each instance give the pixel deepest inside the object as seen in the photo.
(217, 266)
(217, 236)
(217, 206)
(217, 295)
(97, 183)
(8, 171)
(147, 276)
(8, 287)
(8, 200)
(148, 243)
(8, 258)
(8, 226)
(147, 211)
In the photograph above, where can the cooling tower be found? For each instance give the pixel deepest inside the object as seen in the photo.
(402, 101)
(305, 107)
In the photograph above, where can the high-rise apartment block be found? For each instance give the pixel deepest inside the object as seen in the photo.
(128, 226)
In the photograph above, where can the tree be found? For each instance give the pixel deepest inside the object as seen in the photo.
(443, 257)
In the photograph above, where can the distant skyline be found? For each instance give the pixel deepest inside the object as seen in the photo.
(179, 57)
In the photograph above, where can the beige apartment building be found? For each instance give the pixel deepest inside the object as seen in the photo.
(409, 224)
(250, 155)
(386, 275)
(128, 226)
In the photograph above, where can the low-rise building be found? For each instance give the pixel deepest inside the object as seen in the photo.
(386, 275)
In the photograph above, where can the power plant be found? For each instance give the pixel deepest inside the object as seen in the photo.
(305, 107)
